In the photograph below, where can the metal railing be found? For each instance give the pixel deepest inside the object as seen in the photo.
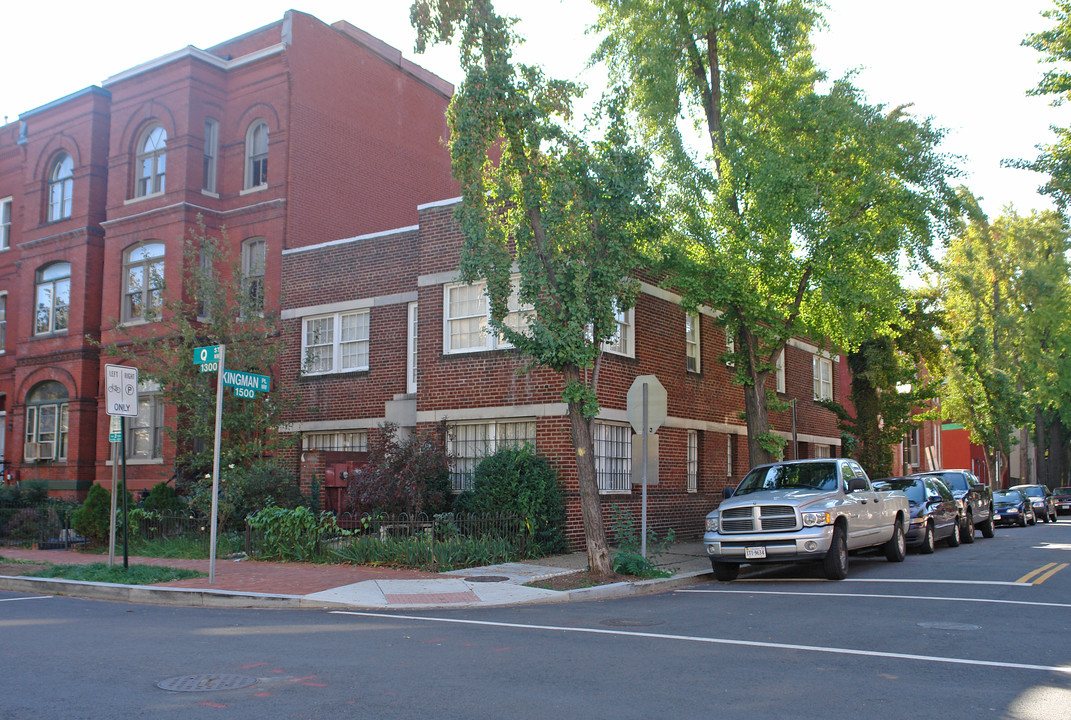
(43, 525)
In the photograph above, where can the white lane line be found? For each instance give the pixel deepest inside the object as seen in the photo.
(876, 595)
(718, 641)
(924, 581)
(38, 597)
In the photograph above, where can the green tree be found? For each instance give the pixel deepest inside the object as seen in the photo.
(551, 222)
(216, 305)
(1054, 45)
(792, 205)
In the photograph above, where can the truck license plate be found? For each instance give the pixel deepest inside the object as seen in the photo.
(754, 553)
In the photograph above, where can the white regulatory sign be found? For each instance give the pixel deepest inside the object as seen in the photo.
(121, 390)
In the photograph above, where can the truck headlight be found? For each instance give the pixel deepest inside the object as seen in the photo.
(816, 519)
(712, 524)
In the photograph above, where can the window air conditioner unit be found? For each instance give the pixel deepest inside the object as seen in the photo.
(29, 451)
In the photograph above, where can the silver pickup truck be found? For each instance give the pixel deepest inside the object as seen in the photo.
(804, 510)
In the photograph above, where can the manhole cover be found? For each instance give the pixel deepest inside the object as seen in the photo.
(631, 622)
(206, 683)
(487, 578)
(948, 626)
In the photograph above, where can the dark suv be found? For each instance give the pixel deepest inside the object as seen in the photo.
(975, 501)
(1042, 499)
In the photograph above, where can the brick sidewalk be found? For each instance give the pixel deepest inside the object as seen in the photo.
(239, 576)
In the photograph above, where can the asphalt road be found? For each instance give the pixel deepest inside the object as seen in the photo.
(979, 631)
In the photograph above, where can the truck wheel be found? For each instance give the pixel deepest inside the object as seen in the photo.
(836, 560)
(968, 530)
(725, 572)
(896, 548)
(954, 538)
(987, 527)
(927, 546)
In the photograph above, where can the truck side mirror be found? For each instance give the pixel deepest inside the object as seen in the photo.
(727, 492)
(856, 484)
(979, 487)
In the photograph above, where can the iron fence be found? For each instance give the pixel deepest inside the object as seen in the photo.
(42, 525)
(441, 526)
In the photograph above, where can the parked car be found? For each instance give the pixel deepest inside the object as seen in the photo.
(1062, 496)
(1011, 507)
(804, 510)
(1042, 500)
(934, 511)
(976, 501)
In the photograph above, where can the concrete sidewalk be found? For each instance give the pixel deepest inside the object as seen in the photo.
(255, 584)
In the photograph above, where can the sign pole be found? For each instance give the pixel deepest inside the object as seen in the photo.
(115, 491)
(215, 465)
(643, 491)
(126, 517)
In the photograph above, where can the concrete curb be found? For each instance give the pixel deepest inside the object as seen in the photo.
(147, 594)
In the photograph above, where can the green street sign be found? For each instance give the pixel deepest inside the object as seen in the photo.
(208, 367)
(206, 354)
(247, 381)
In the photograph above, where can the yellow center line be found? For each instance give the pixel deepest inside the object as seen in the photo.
(1050, 573)
(1029, 577)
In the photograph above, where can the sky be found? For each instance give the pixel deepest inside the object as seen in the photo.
(959, 62)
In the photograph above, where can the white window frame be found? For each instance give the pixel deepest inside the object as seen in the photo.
(145, 438)
(339, 441)
(256, 156)
(624, 339)
(730, 346)
(3, 322)
(211, 157)
(411, 349)
(729, 455)
(823, 387)
(59, 432)
(480, 314)
(468, 443)
(151, 270)
(55, 310)
(691, 342)
(613, 457)
(780, 372)
(150, 164)
(822, 450)
(254, 260)
(60, 187)
(692, 461)
(346, 334)
(5, 223)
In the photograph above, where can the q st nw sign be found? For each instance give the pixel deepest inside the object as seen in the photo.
(121, 390)
(206, 358)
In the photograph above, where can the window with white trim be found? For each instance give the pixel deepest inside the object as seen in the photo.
(52, 291)
(780, 372)
(336, 343)
(624, 340)
(256, 155)
(730, 347)
(208, 173)
(691, 341)
(5, 223)
(470, 442)
(466, 318)
(145, 440)
(143, 281)
(411, 350)
(613, 457)
(822, 451)
(151, 162)
(341, 441)
(60, 187)
(254, 258)
(823, 378)
(3, 323)
(729, 442)
(692, 460)
(47, 422)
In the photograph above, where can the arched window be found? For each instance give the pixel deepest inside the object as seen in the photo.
(47, 420)
(151, 161)
(253, 259)
(256, 155)
(143, 281)
(60, 185)
(52, 290)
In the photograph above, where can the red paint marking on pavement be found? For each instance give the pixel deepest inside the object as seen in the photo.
(499, 649)
(307, 677)
(466, 645)
(212, 704)
(276, 671)
(252, 665)
(310, 684)
(261, 694)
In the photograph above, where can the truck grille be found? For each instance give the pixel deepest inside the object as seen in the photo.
(759, 518)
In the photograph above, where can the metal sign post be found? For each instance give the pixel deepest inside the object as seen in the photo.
(643, 492)
(115, 434)
(645, 406)
(121, 399)
(207, 356)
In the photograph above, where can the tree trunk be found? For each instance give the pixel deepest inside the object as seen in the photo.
(590, 505)
(1041, 467)
(756, 413)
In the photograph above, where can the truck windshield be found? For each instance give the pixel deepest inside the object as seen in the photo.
(791, 476)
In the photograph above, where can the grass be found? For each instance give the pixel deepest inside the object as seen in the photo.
(133, 575)
(184, 547)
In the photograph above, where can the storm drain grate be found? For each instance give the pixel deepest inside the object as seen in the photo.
(206, 683)
(631, 622)
(948, 626)
(487, 578)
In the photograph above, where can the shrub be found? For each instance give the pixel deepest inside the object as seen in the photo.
(162, 497)
(628, 560)
(293, 534)
(25, 525)
(91, 520)
(410, 475)
(31, 492)
(516, 481)
(243, 490)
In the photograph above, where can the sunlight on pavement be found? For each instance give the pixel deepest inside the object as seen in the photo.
(1040, 703)
(1053, 546)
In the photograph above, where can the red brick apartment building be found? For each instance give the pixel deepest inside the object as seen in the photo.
(291, 135)
(380, 329)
